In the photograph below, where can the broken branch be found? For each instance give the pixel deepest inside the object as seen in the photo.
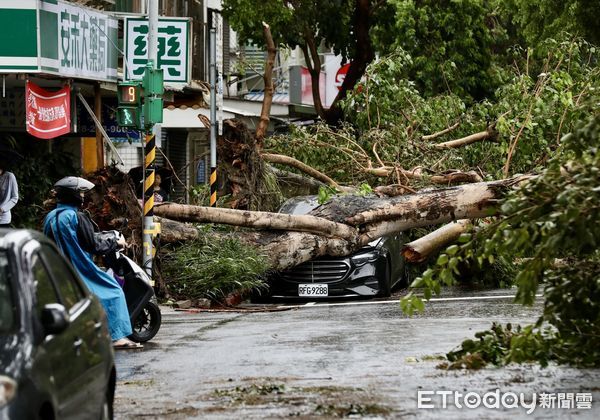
(290, 161)
(429, 137)
(420, 249)
(489, 133)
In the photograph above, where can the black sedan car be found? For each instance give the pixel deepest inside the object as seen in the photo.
(56, 355)
(371, 271)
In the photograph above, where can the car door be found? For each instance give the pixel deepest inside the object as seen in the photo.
(86, 325)
(57, 350)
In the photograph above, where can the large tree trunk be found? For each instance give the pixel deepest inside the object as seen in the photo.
(364, 219)
(363, 56)
(256, 219)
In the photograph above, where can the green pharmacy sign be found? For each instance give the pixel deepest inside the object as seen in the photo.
(59, 38)
(173, 48)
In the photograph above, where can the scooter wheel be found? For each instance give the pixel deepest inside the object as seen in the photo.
(147, 323)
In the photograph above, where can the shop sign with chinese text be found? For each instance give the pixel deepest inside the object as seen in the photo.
(173, 48)
(48, 114)
(59, 38)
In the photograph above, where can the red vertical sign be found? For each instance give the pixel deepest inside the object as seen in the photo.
(48, 114)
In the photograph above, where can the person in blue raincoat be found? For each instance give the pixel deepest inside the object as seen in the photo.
(73, 232)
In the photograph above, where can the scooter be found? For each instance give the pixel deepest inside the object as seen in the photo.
(144, 312)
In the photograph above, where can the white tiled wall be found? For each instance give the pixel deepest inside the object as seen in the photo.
(131, 155)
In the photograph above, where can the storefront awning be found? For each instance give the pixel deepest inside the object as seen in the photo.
(188, 117)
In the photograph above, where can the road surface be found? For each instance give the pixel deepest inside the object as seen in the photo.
(361, 359)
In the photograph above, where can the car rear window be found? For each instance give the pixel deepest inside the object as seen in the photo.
(7, 304)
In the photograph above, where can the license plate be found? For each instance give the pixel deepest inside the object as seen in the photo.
(313, 289)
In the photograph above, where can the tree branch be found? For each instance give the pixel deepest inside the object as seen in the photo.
(489, 133)
(294, 163)
(420, 249)
(363, 56)
(315, 71)
(454, 177)
(265, 112)
(429, 137)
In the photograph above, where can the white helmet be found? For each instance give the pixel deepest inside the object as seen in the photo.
(69, 189)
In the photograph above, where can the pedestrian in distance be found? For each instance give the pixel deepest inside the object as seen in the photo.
(74, 233)
(9, 194)
(160, 194)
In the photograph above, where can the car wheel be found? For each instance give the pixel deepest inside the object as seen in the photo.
(385, 287)
(147, 323)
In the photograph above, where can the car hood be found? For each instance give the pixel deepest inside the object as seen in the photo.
(375, 243)
(15, 352)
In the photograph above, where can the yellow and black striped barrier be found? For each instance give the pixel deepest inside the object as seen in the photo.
(213, 187)
(149, 230)
(150, 155)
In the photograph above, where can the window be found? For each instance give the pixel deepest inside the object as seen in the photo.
(68, 286)
(7, 304)
(44, 289)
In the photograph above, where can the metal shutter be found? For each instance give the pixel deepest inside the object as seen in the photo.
(177, 154)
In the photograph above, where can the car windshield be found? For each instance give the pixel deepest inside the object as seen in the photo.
(7, 307)
(299, 205)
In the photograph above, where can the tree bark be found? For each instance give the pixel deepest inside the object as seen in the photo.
(430, 137)
(173, 232)
(420, 249)
(294, 184)
(294, 163)
(435, 206)
(313, 64)
(373, 217)
(489, 133)
(256, 219)
(263, 124)
(453, 177)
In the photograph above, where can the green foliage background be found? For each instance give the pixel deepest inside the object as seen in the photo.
(451, 45)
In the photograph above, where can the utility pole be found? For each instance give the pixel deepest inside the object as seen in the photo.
(213, 116)
(152, 113)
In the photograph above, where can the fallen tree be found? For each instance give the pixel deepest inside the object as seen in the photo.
(347, 222)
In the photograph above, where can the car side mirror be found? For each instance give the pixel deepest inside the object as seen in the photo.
(54, 318)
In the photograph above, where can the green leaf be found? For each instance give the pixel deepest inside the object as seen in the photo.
(452, 250)
(442, 259)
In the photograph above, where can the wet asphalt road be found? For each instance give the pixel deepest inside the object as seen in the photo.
(360, 359)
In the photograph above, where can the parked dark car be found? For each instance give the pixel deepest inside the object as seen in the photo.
(56, 355)
(374, 270)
